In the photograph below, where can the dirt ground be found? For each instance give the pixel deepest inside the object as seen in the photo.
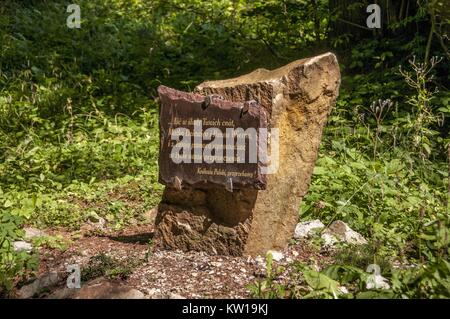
(158, 274)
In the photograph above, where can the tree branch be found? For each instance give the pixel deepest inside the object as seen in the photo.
(354, 24)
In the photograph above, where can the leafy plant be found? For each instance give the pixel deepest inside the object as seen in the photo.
(14, 265)
(104, 265)
(268, 288)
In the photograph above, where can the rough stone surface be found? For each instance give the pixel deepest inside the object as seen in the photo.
(340, 231)
(175, 296)
(21, 245)
(298, 98)
(157, 294)
(46, 281)
(96, 221)
(99, 289)
(305, 229)
(276, 255)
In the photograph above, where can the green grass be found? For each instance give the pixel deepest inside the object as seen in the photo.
(104, 265)
(112, 170)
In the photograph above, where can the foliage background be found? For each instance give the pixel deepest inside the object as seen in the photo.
(78, 115)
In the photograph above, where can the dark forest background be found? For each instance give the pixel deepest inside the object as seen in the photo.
(78, 119)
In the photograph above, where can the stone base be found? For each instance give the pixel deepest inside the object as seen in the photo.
(195, 219)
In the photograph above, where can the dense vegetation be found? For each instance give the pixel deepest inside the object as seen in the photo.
(78, 117)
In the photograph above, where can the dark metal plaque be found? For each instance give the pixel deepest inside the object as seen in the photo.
(207, 141)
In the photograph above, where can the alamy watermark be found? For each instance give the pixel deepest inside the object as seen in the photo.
(74, 19)
(74, 278)
(374, 19)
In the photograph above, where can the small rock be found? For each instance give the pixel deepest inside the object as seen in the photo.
(329, 240)
(97, 221)
(131, 294)
(315, 267)
(93, 217)
(377, 281)
(62, 293)
(276, 255)
(305, 229)
(45, 281)
(84, 253)
(21, 245)
(155, 293)
(343, 289)
(341, 232)
(175, 296)
(102, 289)
(260, 260)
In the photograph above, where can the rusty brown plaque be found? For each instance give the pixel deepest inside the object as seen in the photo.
(207, 141)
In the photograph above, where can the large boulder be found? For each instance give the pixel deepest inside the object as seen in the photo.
(297, 98)
(99, 288)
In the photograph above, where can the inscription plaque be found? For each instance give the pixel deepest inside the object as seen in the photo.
(207, 141)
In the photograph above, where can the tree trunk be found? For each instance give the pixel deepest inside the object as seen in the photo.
(448, 180)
